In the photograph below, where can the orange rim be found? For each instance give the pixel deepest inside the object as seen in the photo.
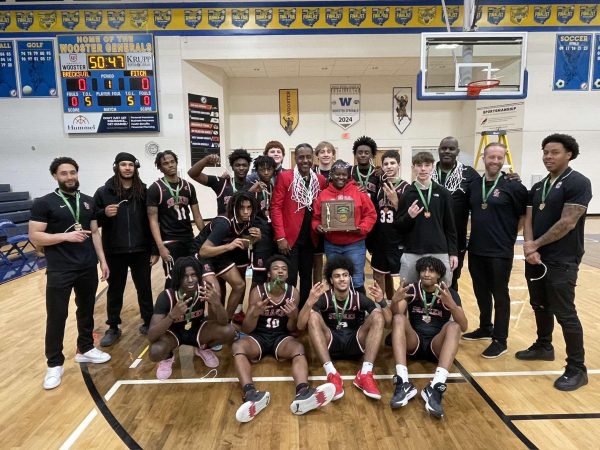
(475, 87)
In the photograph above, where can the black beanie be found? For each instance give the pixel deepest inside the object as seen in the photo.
(124, 156)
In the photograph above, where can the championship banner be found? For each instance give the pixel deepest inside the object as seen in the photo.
(345, 104)
(37, 68)
(409, 16)
(402, 108)
(596, 64)
(8, 70)
(572, 62)
(289, 114)
(205, 133)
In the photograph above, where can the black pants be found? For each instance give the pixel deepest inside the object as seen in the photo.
(58, 291)
(490, 279)
(301, 263)
(554, 295)
(184, 247)
(140, 273)
(456, 272)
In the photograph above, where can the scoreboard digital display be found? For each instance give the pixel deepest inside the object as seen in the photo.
(108, 83)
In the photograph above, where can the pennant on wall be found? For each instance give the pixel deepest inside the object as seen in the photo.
(345, 104)
(402, 108)
(289, 114)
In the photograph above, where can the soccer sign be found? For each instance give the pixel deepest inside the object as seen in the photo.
(345, 104)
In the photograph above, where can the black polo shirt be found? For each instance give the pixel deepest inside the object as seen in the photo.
(494, 229)
(570, 188)
(52, 210)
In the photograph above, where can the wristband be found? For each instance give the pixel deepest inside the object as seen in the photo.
(383, 303)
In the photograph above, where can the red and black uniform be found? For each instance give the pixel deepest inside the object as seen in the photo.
(271, 328)
(166, 301)
(371, 183)
(344, 323)
(264, 248)
(220, 231)
(224, 189)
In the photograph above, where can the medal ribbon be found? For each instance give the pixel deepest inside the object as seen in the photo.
(75, 213)
(174, 194)
(363, 181)
(426, 305)
(483, 192)
(188, 314)
(425, 203)
(340, 316)
(545, 191)
(439, 174)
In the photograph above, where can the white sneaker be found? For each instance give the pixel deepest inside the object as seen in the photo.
(53, 377)
(94, 355)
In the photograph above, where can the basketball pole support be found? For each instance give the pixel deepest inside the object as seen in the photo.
(502, 139)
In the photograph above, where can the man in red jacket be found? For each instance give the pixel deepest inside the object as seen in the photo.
(291, 214)
(349, 243)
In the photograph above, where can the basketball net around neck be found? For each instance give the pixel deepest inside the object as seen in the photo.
(453, 180)
(302, 194)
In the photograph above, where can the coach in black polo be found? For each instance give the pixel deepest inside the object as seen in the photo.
(497, 209)
(554, 231)
(64, 223)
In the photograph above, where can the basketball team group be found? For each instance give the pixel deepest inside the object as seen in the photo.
(306, 234)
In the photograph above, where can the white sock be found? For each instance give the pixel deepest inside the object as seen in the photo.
(366, 367)
(239, 308)
(402, 372)
(328, 366)
(440, 376)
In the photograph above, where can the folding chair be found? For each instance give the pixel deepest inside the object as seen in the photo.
(17, 242)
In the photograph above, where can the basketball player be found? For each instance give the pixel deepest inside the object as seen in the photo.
(427, 323)
(364, 172)
(427, 221)
(388, 247)
(338, 326)
(291, 214)
(554, 236)
(127, 242)
(223, 187)
(275, 150)
(188, 313)
(169, 200)
(64, 223)
(271, 316)
(497, 213)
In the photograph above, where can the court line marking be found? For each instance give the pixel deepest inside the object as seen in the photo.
(138, 360)
(79, 430)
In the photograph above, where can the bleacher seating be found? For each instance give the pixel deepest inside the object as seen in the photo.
(14, 216)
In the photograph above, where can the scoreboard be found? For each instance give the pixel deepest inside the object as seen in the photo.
(108, 83)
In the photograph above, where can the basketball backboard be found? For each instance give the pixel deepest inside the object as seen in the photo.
(449, 61)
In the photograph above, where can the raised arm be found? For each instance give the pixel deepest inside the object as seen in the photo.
(196, 171)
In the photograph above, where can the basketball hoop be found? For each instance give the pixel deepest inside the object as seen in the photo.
(475, 87)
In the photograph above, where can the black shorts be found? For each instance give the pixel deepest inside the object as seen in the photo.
(423, 350)
(386, 260)
(189, 337)
(220, 264)
(268, 343)
(344, 344)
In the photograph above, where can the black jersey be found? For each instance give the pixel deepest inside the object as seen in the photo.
(166, 301)
(52, 210)
(354, 315)
(173, 220)
(571, 188)
(438, 313)
(386, 232)
(273, 319)
(224, 188)
(263, 200)
(324, 172)
(370, 182)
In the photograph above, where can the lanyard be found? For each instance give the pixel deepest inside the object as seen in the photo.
(485, 194)
(425, 203)
(545, 191)
(363, 181)
(188, 314)
(439, 174)
(174, 194)
(339, 316)
(75, 213)
(427, 306)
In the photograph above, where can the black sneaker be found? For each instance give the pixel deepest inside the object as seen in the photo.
(110, 337)
(312, 398)
(143, 329)
(254, 402)
(403, 392)
(433, 399)
(477, 335)
(495, 349)
(537, 352)
(571, 380)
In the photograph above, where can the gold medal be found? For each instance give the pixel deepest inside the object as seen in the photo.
(427, 319)
(542, 206)
(77, 227)
(427, 214)
(188, 326)
(484, 206)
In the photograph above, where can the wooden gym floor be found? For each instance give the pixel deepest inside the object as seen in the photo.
(501, 403)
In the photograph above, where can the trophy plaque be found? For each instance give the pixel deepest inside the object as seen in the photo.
(338, 215)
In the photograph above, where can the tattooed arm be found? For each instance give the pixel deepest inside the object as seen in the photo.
(571, 213)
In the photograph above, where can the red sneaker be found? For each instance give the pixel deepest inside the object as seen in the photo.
(367, 384)
(336, 379)
(239, 317)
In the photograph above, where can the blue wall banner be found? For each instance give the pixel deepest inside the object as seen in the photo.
(37, 70)
(596, 64)
(8, 70)
(572, 62)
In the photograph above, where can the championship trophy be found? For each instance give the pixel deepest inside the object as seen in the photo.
(338, 215)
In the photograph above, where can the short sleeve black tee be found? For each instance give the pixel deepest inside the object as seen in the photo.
(174, 220)
(52, 210)
(437, 312)
(220, 231)
(494, 228)
(166, 301)
(350, 318)
(570, 188)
